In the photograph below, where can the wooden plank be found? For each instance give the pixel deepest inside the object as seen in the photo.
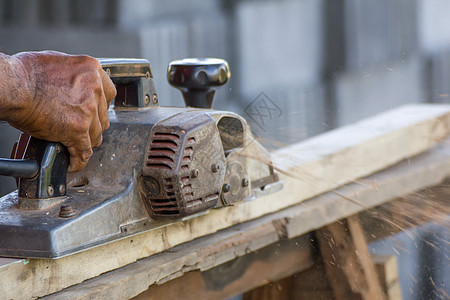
(344, 274)
(311, 168)
(386, 266)
(309, 284)
(225, 245)
(278, 290)
(270, 264)
(350, 269)
(374, 290)
(387, 271)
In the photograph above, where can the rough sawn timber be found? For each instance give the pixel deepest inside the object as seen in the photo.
(309, 168)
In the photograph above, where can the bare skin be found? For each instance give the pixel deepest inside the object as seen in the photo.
(57, 97)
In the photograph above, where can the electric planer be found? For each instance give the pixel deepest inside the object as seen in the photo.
(156, 165)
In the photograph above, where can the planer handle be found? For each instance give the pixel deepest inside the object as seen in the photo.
(133, 80)
(41, 171)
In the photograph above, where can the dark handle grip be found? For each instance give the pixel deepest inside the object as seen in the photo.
(23, 168)
(42, 172)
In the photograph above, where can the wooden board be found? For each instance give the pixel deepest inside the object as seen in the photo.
(208, 252)
(387, 270)
(350, 269)
(255, 269)
(309, 284)
(312, 167)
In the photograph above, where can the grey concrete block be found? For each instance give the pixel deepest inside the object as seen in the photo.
(53, 13)
(96, 43)
(20, 13)
(434, 25)
(438, 77)
(56, 13)
(279, 44)
(376, 32)
(284, 116)
(163, 42)
(169, 40)
(361, 94)
(3, 14)
(92, 13)
(138, 13)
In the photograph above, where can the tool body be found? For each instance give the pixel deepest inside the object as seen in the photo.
(156, 165)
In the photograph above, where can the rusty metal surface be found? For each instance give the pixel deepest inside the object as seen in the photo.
(178, 179)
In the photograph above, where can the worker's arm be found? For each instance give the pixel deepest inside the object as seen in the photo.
(57, 97)
(10, 81)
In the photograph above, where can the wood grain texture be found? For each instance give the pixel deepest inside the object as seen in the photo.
(269, 264)
(374, 288)
(311, 168)
(350, 269)
(343, 270)
(309, 284)
(387, 271)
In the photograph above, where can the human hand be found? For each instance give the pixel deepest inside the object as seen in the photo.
(65, 99)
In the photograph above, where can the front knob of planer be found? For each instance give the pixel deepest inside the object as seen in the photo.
(198, 79)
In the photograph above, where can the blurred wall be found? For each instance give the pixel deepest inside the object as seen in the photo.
(299, 67)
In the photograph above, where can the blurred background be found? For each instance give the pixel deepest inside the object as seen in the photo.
(314, 64)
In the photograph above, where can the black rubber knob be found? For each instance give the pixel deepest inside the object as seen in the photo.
(198, 79)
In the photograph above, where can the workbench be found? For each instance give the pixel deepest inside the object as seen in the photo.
(331, 182)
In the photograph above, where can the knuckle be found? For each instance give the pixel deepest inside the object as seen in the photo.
(99, 140)
(95, 87)
(79, 125)
(86, 59)
(86, 154)
(106, 125)
(112, 93)
(90, 105)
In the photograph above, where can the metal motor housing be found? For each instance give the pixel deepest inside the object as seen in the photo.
(184, 166)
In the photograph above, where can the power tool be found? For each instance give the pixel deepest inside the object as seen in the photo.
(156, 165)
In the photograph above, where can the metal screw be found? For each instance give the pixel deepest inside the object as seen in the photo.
(108, 71)
(194, 173)
(58, 148)
(147, 99)
(62, 189)
(245, 182)
(50, 190)
(155, 99)
(66, 211)
(226, 188)
(215, 167)
(147, 75)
